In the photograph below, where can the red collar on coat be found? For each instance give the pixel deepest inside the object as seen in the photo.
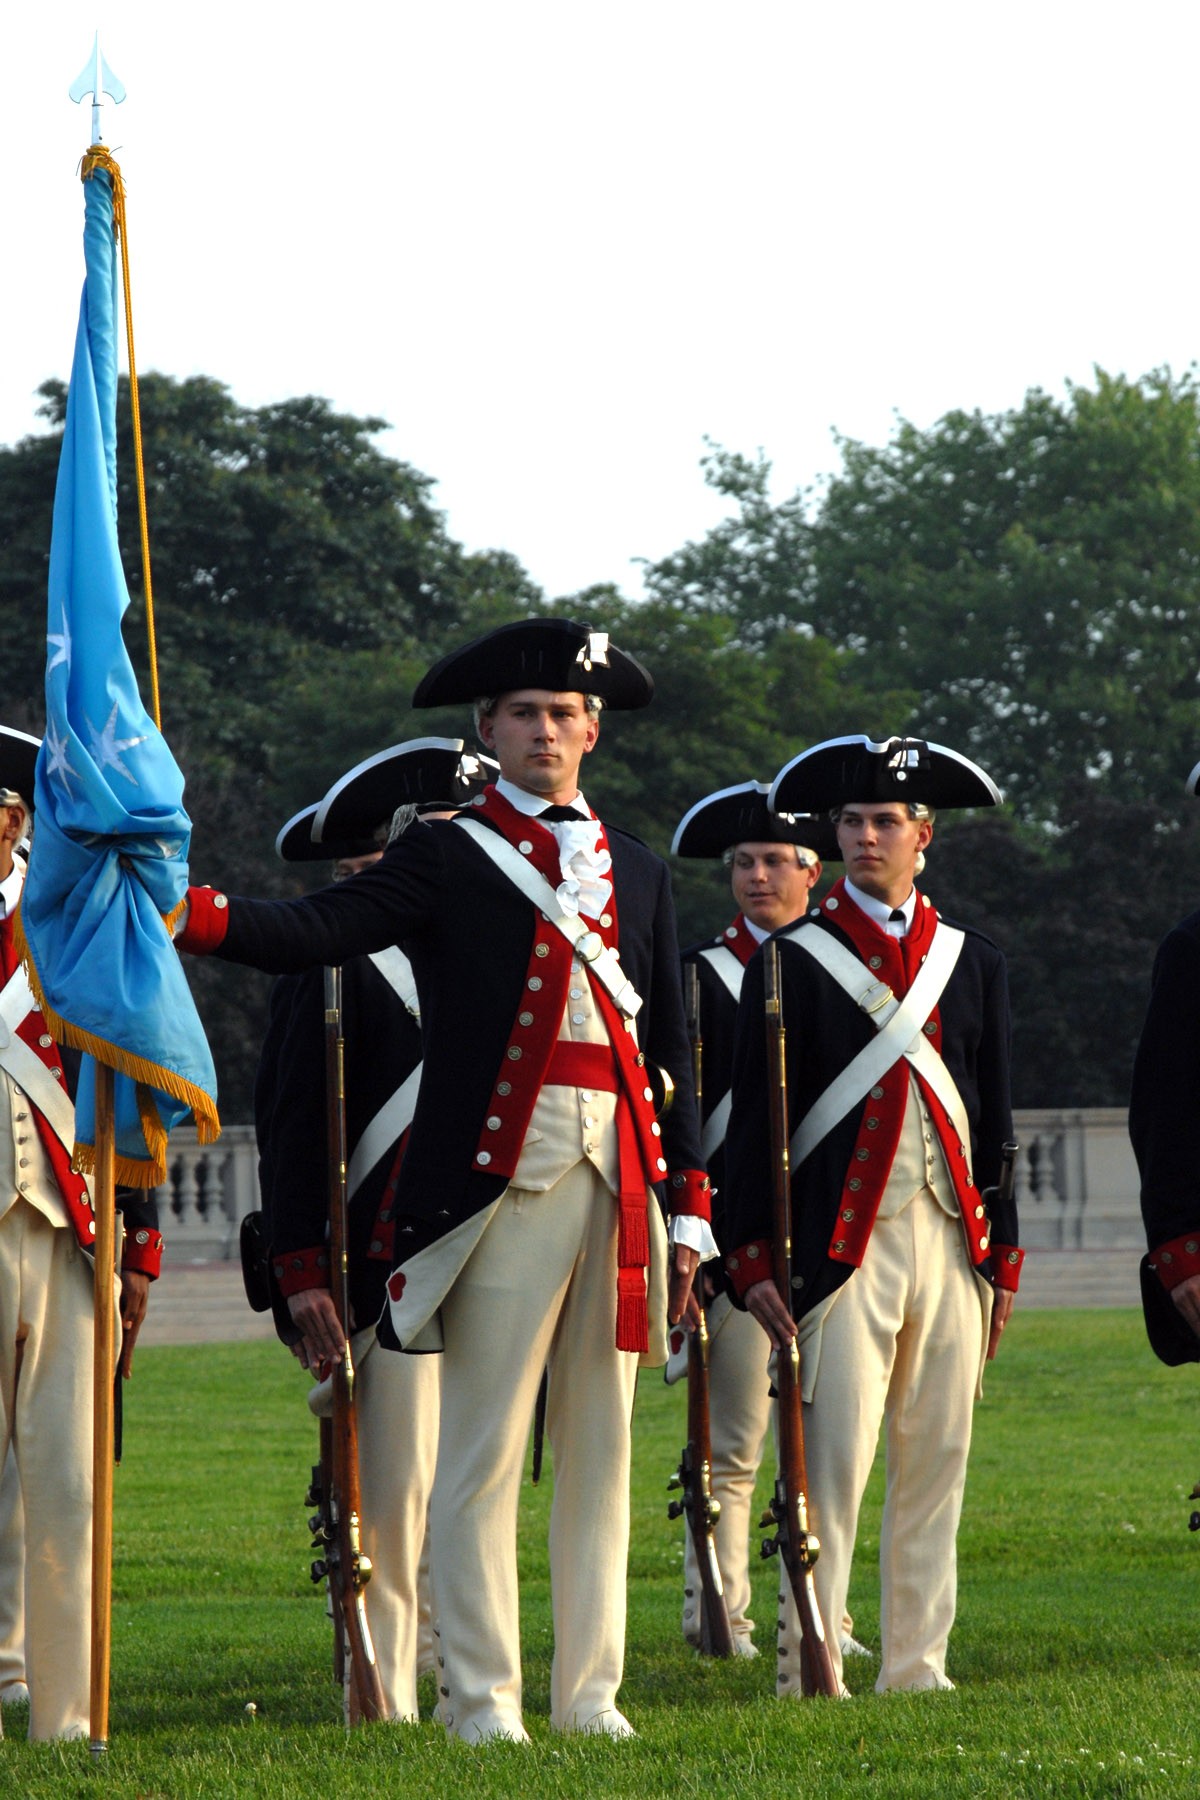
(898, 958)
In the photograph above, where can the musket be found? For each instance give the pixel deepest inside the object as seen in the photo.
(788, 1514)
(337, 1523)
(694, 1475)
(539, 1426)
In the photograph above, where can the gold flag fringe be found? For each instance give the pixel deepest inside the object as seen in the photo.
(147, 1075)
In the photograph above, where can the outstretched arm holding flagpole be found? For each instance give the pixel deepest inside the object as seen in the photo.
(109, 873)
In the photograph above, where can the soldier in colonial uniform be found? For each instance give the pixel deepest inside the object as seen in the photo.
(898, 1093)
(1166, 1081)
(774, 862)
(547, 968)
(396, 1396)
(47, 1234)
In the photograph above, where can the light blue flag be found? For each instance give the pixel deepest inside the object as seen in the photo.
(108, 871)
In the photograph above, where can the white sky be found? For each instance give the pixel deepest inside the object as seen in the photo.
(557, 245)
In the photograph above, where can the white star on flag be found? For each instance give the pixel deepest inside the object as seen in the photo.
(107, 747)
(60, 643)
(56, 762)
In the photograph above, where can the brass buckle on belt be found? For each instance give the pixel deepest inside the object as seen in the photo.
(882, 994)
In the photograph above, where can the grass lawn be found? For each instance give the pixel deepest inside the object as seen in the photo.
(1077, 1648)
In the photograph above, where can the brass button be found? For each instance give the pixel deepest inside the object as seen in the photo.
(484, 1157)
(752, 1250)
(847, 1215)
(541, 949)
(535, 982)
(525, 1018)
(840, 1245)
(877, 1093)
(514, 1053)
(494, 1123)
(862, 1155)
(874, 962)
(504, 1089)
(525, 846)
(854, 1184)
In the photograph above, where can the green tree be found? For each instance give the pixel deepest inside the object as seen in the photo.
(1032, 577)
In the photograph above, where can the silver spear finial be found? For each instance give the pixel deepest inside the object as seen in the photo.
(96, 79)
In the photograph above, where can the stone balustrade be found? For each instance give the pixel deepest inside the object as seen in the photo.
(1076, 1186)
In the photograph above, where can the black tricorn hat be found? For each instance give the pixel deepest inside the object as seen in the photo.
(740, 815)
(556, 654)
(432, 774)
(429, 773)
(18, 758)
(295, 842)
(1193, 781)
(847, 769)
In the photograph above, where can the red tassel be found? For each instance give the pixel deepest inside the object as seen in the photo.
(633, 1315)
(633, 1234)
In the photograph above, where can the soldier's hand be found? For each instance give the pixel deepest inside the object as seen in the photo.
(135, 1297)
(684, 1263)
(1002, 1307)
(1187, 1298)
(763, 1302)
(315, 1317)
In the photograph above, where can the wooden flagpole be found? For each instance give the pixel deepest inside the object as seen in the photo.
(102, 1408)
(94, 81)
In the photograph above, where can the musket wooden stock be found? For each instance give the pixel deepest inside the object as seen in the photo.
(793, 1540)
(694, 1476)
(345, 1565)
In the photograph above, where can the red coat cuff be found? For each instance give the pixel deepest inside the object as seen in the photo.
(141, 1253)
(1006, 1266)
(1177, 1260)
(689, 1191)
(748, 1265)
(207, 921)
(297, 1270)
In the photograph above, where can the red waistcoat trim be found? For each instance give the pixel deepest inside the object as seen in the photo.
(895, 961)
(526, 1062)
(33, 1032)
